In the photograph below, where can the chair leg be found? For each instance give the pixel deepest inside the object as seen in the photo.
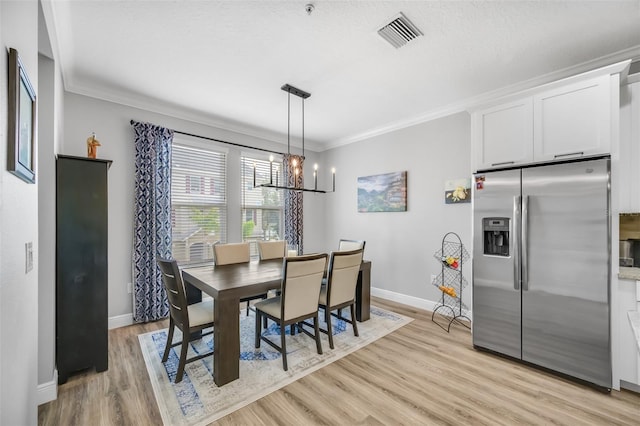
(327, 318)
(247, 308)
(258, 328)
(283, 336)
(317, 331)
(167, 348)
(354, 322)
(183, 358)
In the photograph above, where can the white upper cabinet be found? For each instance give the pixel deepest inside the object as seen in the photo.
(504, 134)
(573, 121)
(571, 118)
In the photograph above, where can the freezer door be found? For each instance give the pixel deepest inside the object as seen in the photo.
(496, 277)
(565, 276)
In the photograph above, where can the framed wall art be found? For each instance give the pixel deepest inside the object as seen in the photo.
(383, 193)
(457, 191)
(22, 121)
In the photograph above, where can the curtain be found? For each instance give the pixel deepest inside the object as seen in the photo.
(152, 220)
(293, 200)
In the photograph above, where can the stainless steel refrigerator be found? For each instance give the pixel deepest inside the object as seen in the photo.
(541, 266)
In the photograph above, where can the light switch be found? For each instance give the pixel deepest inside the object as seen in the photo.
(28, 252)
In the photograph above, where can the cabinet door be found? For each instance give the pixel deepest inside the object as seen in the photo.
(82, 265)
(573, 121)
(503, 135)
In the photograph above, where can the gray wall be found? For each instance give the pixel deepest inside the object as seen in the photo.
(401, 245)
(18, 225)
(110, 122)
(431, 153)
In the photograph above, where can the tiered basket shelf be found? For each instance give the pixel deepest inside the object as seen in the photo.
(452, 256)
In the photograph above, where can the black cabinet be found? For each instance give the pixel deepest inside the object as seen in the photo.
(81, 265)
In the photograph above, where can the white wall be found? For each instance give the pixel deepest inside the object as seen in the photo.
(401, 244)
(624, 291)
(18, 225)
(110, 122)
(50, 115)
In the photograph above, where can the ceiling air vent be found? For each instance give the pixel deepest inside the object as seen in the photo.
(399, 31)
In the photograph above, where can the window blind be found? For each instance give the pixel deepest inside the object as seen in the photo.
(262, 208)
(198, 202)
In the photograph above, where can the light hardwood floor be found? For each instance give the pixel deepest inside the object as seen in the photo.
(418, 374)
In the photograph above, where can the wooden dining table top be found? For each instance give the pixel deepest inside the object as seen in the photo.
(236, 280)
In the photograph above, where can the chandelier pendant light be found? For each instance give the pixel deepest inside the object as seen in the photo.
(296, 171)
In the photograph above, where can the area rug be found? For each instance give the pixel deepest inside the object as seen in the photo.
(196, 400)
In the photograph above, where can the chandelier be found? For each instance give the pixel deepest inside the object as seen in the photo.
(297, 171)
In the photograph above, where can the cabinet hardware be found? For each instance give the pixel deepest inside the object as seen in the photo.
(503, 163)
(569, 155)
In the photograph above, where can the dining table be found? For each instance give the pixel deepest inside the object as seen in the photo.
(227, 284)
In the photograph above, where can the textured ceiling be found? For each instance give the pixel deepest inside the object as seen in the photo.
(223, 62)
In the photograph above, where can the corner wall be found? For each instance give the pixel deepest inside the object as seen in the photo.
(401, 244)
(18, 225)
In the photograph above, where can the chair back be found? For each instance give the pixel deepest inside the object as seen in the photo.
(342, 278)
(272, 249)
(173, 284)
(301, 284)
(347, 245)
(226, 254)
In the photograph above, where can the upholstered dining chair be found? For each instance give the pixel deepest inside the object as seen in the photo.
(227, 254)
(298, 300)
(344, 245)
(340, 290)
(187, 318)
(272, 249)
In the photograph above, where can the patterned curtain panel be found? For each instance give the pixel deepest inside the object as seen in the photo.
(293, 200)
(152, 220)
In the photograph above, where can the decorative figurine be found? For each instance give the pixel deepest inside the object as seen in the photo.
(92, 146)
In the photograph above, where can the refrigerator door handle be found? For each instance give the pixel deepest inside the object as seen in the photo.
(525, 243)
(517, 204)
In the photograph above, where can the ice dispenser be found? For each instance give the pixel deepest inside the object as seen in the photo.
(496, 236)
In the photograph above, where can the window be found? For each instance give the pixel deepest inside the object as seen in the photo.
(198, 201)
(262, 208)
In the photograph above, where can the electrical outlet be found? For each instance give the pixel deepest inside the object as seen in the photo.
(28, 256)
(129, 288)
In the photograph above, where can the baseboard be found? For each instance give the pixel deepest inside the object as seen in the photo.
(47, 392)
(629, 386)
(416, 302)
(120, 321)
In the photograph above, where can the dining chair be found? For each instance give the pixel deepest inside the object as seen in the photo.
(344, 245)
(272, 249)
(187, 318)
(298, 301)
(340, 291)
(228, 254)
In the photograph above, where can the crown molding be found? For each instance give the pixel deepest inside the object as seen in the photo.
(613, 61)
(165, 108)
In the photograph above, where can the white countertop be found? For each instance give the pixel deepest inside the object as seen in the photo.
(634, 319)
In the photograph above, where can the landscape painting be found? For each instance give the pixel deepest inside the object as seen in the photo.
(383, 193)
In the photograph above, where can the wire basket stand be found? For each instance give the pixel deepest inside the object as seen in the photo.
(452, 255)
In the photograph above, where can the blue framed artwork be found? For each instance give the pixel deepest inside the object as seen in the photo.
(22, 119)
(383, 193)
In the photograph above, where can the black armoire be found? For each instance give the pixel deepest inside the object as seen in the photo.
(81, 265)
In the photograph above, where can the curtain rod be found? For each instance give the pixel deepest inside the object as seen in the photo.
(221, 141)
